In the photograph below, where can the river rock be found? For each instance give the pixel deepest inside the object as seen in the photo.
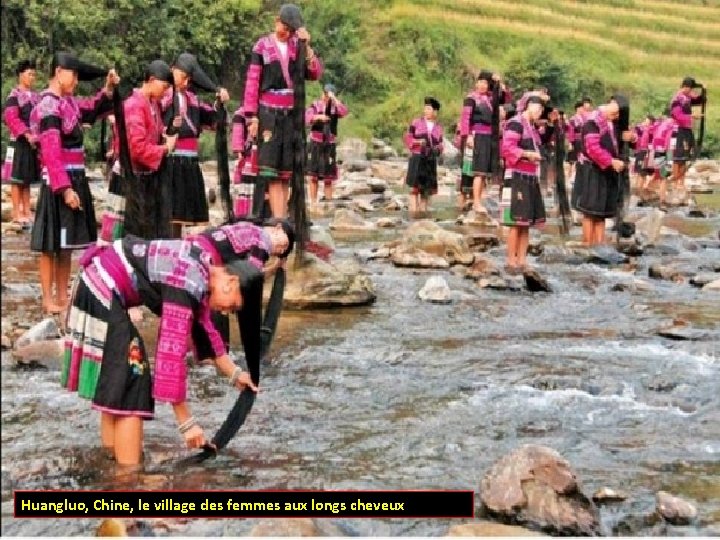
(500, 283)
(712, 286)
(388, 223)
(348, 188)
(377, 185)
(636, 285)
(606, 255)
(482, 268)
(534, 282)
(6, 211)
(674, 509)
(349, 221)
(351, 149)
(390, 171)
(535, 485)
(706, 166)
(45, 329)
(319, 284)
(482, 241)
(410, 257)
(362, 205)
(428, 236)
(702, 279)
(282, 527)
(477, 219)
(666, 273)
(6, 342)
(484, 529)
(357, 165)
(572, 255)
(435, 291)
(47, 351)
(608, 495)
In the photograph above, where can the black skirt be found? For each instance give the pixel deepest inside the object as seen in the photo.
(684, 145)
(321, 162)
(57, 226)
(147, 213)
(105, 357)
(25, 169)
(581, 170)
(485, 154)
(521, 201)
(571, 156)
(422, 175)
(189, 202)
(599, 196)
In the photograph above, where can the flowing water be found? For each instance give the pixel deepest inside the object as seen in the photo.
(409, 395)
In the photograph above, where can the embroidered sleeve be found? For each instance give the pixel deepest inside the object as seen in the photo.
(49, 126)
(207, 334)
(142, 151)
(238, 133)
(438, 139)
(511, 150)
(314, 69)
(309, 115)
(95, 107)
(593, 149)
(410, 142)
(252, 82)
(12, 119)
(341, 109)
(170, 381)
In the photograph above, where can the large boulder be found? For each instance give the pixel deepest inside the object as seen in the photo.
(429, 237)
(410, 257)
(536, 486)
(319, 285)
(674, 509)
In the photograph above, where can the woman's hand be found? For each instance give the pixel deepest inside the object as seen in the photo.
(244, 380)
(70, 198)
(194, 437)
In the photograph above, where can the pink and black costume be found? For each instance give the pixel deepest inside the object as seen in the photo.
(599, 196)
(105, 358)
(269, 96)
(322, 164)
(187, 185)
(425, 141)
(21, 164)
(681, 111)
(58, 124)
(521, 201)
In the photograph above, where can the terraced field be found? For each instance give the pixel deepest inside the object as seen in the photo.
(641, 47)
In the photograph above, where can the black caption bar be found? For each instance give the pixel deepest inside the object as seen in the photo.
(236, 504)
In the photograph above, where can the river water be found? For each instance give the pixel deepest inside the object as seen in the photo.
(409, 395)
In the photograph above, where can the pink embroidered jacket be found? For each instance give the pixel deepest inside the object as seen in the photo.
(269, 77)
(681, 108)
(18, 106)
(57, 123)
(599, 143)
(417, 132)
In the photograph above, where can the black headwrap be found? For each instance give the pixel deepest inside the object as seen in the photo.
(85, 71)
(189, 64)
(434, 103)
(24, 65)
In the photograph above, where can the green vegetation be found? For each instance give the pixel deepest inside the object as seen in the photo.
(386, 55)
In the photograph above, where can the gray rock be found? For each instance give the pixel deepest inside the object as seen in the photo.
(388, 223)
(499, 283)
(410, 257)
(357, 165)
(429, 237)
(436, 291)
(319, 285)
(535, 486)
(674, 509)
(712, 286)
(608, 495)
(482, 241)
(45, 329)
(647, 229)
(47, 351)
(666, 273)
(377, 185)
(606, 255)
(351, 149)
(482, 268)
(702, 279)
(6, 342)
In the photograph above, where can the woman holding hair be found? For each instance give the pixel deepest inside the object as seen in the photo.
(65, 217)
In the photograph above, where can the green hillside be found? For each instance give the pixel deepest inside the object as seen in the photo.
(640, 47)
